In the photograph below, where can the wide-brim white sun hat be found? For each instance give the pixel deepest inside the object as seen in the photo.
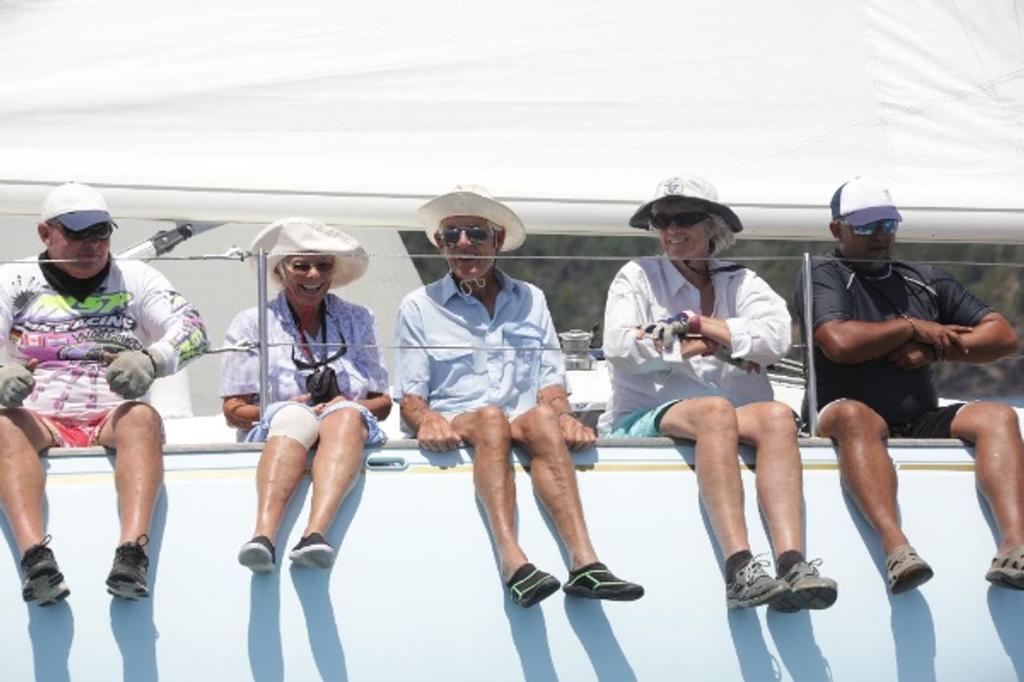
(697, 191)
(473, 200)
(292, 236)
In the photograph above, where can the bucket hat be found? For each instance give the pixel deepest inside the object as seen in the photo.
(695, 190)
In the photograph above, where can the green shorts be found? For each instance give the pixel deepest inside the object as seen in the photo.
(642, 423)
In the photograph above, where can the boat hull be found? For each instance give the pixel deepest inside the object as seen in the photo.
(414, 593)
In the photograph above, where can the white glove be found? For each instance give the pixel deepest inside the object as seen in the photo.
(16, 383)
(131, 373)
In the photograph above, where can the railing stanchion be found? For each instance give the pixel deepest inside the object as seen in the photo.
(812, 377)
(261, 307)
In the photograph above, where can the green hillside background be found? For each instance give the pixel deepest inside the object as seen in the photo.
(576, 285)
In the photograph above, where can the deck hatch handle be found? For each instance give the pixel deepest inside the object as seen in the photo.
(386, 463)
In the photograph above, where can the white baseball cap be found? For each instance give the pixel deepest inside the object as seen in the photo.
(75, 206)
(863, 200)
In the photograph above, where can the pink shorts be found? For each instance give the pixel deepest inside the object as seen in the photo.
(74, 433)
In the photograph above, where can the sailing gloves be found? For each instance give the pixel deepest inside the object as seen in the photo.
(16, 383)
(131, 373)
(668, 329)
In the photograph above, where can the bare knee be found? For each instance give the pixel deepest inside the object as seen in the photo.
(490, 427)
(539, 423)
(716, 414)
(851, 419)
(1001, 420)
(347, 418)
(17, 423)
(777, 419)
(15, 418)
(138, 416)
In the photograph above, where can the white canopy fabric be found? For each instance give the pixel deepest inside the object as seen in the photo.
(355, 113)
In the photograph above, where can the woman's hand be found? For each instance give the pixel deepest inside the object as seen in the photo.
(688, 347)
(241, 411)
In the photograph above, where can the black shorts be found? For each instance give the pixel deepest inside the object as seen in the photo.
(929, 424)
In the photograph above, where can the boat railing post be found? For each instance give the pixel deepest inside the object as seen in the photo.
(261, 307)
(812, 378)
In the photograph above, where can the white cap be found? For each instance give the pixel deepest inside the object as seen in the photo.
(863, 200)
(75, 206)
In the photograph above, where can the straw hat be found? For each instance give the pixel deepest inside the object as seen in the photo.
(473, 200)
(291, 236)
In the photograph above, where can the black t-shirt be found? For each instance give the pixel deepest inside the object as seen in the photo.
(845, 291)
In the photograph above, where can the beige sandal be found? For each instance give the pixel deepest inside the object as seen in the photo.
(907, 570)
(1008, 568)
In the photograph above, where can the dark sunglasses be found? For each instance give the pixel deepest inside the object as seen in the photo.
(324, 266)
(887, 226)
(476, 234)
(99, 231)
(662, 221)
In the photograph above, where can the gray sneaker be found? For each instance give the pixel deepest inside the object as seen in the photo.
(752, 586)
(807, 589)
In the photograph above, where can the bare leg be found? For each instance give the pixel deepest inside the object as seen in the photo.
(865, 466)
(488, 431)
(22, 481)
(135, 432)
(339, 458)
(999, 455)
(282, 464)
(554, 478)
(771, 428)
(711, 422)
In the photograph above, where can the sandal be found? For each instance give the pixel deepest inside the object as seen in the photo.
(1008, 569)
(907, 570)
(595, 581)
(529, 585)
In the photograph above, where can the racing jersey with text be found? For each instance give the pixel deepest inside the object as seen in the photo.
(134, 308)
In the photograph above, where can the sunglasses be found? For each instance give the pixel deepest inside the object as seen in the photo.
(662, 221)
(324, 267)
(100, 231)
(476, 234)
(304, 364)
(888, 227)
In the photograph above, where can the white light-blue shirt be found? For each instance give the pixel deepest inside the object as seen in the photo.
(458, 358)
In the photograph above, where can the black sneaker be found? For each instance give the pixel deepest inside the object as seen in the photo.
(595, 581)
(44, 583)
(313, 552)
(127, 578)
(529, 585)
(257, 554)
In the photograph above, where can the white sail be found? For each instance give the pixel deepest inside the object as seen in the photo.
(354, 112)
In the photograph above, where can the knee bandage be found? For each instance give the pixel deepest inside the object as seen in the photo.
(296, 422)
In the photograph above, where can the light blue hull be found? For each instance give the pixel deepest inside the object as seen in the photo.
(415, 593)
